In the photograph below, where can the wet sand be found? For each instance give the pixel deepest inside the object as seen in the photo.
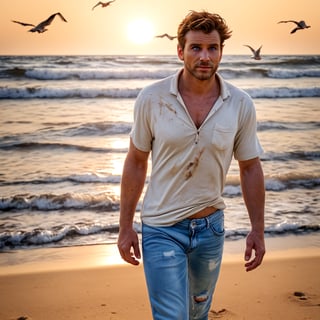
(91, 282)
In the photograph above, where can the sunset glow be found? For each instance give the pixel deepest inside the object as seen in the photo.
(130, 26)
(140, 31)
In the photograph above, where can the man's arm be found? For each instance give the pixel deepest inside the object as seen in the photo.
(253, 190)
(132, 183)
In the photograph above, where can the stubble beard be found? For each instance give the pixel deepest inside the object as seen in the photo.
(202, 76)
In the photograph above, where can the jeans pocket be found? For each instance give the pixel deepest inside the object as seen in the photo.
(217, 227)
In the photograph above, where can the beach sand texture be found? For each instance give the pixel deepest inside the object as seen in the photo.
(75, 283)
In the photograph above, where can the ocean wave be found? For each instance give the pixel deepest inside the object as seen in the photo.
(86, 129)
(40, 236)
(39, 92)
(283, 228)
(291, 126)
(74, 178)
(52, 132)
(151, 67)
(114, 73)
(267, 72)
(101, 128)
(289, 74)
(296, 61)
(277, 184)
(70, 201)
(62, 234)
(283, 92)
(303, 155)
(11, 144)
(67, 201)
(27, 142)
(28, 146)
(140, 73)
(291, 181)
(98, 74)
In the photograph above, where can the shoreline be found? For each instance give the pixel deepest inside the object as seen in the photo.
(102, 255)
(92, 282)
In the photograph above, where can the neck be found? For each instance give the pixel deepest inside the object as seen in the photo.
(191, 86)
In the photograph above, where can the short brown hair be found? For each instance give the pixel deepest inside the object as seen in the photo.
(205, 22)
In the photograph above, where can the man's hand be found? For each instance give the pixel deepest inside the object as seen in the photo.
(128, 245)
(254, 242)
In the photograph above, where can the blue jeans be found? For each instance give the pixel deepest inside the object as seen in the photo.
(181, 265)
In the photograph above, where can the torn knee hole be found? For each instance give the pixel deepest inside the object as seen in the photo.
(201, 298)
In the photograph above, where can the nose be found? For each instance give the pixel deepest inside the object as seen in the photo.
(204, 55)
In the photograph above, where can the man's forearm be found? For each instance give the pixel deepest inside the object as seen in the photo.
(253, 190)
(132, 183)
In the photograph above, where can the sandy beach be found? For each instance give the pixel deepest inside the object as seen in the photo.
(91, 282)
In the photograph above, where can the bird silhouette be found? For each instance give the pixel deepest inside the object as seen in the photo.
(256, 53)
(41, 27)
(166, 35)
(23, 23)
(103, 4)
(300, 25)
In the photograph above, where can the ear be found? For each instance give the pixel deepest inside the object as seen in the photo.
(180, 52)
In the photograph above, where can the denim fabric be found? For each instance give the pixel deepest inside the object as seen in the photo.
(182, 264)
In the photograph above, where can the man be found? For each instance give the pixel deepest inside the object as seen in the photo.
(192, 123)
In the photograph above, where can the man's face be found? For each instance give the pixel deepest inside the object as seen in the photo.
(202, 54)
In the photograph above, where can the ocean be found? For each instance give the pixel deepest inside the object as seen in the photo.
(64, 133)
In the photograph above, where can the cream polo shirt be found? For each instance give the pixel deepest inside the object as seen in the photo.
(189, 165)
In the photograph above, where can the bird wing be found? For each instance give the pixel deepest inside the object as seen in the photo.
(165, 35)
(41, 26)
(97, 4)
(50, 19)
(61, 16)
(253, 51)
(107, 3)
(286, 21)
(23, 23)
(258, 51)
(46, 22)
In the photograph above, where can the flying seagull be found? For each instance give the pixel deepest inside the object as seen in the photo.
(103, 4)
(256, 53)
(165, 35)
(300, 25)
(23, 23)
(41, 27)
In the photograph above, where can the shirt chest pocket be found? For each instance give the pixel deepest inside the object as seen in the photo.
(223, 137)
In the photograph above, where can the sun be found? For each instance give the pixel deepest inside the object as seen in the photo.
(140, 31)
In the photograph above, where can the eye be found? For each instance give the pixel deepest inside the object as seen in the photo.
(213, 48)
(195, 48)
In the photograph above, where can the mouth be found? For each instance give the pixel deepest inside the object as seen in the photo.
(204, 66)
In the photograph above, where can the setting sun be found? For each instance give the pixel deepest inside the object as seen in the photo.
(140, 31)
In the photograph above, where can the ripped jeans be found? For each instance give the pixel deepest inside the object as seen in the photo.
(181, 265)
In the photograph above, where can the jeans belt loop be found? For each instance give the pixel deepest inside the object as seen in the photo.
(208, 222)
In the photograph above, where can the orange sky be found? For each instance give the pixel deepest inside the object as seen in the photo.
(105, 30)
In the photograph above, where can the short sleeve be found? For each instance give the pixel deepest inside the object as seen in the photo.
(141, 133)
(247, 145)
